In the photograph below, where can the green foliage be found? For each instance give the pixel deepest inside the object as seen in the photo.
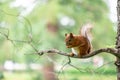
(51, 12)
(68, 75)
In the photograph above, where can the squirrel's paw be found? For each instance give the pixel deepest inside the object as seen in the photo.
(71, 54)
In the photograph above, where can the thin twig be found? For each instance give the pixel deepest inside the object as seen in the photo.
(105, 64)
(61, 70)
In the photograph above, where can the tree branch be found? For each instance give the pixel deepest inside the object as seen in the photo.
(107, 50)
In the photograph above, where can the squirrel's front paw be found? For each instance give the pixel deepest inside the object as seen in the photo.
(71, 54)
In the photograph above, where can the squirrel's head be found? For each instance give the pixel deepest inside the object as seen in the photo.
(69, 40)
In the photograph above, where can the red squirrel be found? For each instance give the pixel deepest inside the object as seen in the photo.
(80, 44)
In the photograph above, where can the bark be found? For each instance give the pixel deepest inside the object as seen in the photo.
(118, 40)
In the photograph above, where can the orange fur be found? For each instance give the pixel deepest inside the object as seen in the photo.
(80, 44)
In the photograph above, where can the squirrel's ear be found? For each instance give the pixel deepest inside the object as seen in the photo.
(71, 35)
(65, 34)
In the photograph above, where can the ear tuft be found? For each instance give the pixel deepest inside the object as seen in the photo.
(65, 34)
(71, 35)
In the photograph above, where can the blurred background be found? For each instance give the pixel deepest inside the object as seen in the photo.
(34, 25)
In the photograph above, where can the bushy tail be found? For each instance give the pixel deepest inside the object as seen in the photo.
(86, 31)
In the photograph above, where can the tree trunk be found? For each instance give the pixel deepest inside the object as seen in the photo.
(118, 40)
(48, 71)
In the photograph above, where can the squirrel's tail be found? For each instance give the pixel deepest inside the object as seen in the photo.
(86, 31)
